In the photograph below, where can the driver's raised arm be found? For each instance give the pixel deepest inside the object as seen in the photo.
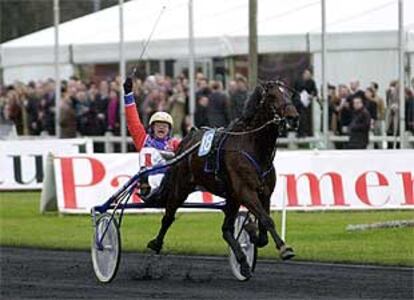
(135, 127)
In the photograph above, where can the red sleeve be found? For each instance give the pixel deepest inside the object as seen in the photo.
(135, 127)
(175, 143)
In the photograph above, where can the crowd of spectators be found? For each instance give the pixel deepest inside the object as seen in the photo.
(93, 108)
(353, 110)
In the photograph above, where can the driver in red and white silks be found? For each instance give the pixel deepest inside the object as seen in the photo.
(157, 140)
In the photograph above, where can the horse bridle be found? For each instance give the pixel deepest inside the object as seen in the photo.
(277, 119)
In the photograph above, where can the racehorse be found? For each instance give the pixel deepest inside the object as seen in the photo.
(244, 173)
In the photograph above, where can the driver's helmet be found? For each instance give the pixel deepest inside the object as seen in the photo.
(162, 116)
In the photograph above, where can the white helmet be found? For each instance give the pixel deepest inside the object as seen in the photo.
(162, 116)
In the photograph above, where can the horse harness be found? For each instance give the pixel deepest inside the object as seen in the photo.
(214, 157)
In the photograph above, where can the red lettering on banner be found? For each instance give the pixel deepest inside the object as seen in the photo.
(68, 178)
(314, 188)
(408, 186)
(115, 182)
(207, 197)
(361, 186)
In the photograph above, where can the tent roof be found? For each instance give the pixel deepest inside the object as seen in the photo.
(218, 18)
(220, 29)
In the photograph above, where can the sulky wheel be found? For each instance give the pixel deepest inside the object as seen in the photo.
(106, 248)
(249, 248)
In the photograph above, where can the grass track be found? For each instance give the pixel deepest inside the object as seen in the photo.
(315, 236)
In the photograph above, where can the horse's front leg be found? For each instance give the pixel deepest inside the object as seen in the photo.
(173, 202)
(157, 243)
(230, 214)
(264, 196)
(254, 205)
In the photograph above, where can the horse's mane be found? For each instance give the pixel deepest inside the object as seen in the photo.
(252, 104)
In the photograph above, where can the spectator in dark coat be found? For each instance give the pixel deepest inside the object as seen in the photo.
(409, 110)
(359, 126)
(218, 106)
(238, 97)
(307, 90)
(203, 89)
(355, 91)
(67, 120)
(101, 101)
(200, 116)
(113, 113)
(32, 109)
(371, 105)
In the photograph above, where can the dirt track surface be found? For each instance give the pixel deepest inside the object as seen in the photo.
(29, 273)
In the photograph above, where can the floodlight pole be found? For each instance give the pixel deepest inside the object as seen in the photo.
(122, 75)
(57, 71)
(401, 71)
(252, 44)
(323, 73)
(191, 72)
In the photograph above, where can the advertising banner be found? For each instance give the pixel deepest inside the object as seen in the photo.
(306, 180)
(23, 161)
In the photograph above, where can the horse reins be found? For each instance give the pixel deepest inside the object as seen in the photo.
(275, 120)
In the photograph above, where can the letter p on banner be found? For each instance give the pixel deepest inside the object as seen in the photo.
(72, 175)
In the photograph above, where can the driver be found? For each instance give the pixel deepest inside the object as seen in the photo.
(154, 145)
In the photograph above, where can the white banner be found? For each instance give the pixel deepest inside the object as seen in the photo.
(22, 161)
(306, 180)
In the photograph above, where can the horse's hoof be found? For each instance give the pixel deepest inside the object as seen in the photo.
(245, 270)
(262, 241)
(286, 252)
(155, 245)
(251, 230)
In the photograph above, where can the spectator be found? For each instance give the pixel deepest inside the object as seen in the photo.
(344, 108)
(67, 121)
(409, 110)
(355, 91)
(113, 112)
(101, 102)
(177, 105)
(359, 126)
(393, 111)
(238, 97)
(334, 109)
(371, 105)
(307, 89)
(380, 102)
(202, 88)
(13, 110)
(218, 106)
(32, 109)
(201, 115)
(379, 125)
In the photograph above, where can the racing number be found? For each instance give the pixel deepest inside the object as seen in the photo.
(206, 143)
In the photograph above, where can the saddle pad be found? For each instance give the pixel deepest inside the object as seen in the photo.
(206, 142)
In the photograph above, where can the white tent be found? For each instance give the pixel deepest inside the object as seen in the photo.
(220, 29)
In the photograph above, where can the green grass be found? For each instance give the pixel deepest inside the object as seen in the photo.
(315, 236)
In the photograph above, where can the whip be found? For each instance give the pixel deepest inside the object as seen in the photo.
(133, 73)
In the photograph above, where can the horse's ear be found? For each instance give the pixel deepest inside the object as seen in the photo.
(261, 82)
(257, 95)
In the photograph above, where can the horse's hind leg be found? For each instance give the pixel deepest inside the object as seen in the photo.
(230, 214)
(255, 206)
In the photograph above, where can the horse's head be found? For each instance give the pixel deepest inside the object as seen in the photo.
(276, 98)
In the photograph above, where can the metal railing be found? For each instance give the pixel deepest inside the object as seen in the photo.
(291, 142)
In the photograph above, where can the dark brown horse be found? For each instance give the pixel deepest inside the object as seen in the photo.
(244, 172)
